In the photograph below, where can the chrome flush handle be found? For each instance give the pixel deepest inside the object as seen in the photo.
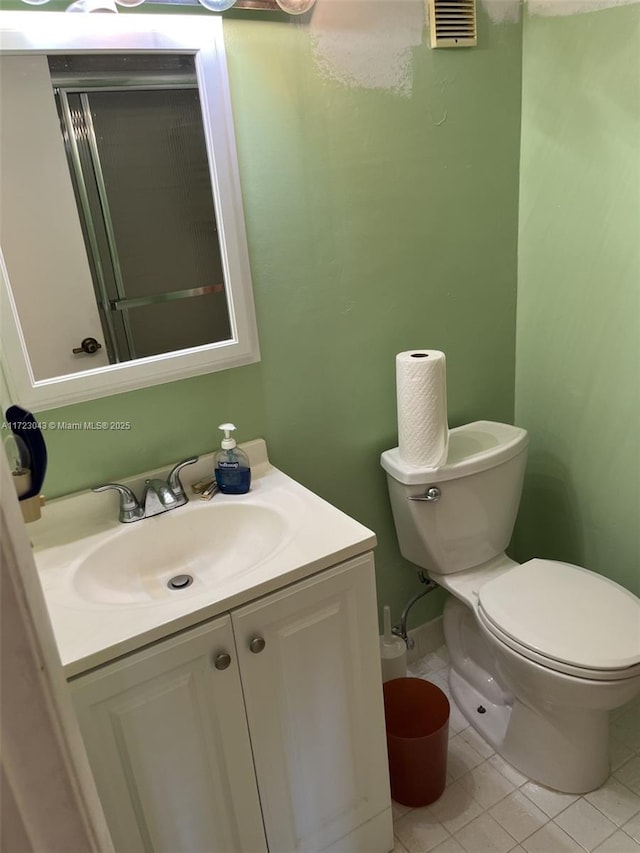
(432, 494)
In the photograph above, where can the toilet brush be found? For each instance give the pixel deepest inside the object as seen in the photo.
(393, 651)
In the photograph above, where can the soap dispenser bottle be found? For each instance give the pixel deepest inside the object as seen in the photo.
(232, 471)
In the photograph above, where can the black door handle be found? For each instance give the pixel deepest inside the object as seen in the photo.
(88, 345)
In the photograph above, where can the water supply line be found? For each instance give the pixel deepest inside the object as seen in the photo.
(401, 629)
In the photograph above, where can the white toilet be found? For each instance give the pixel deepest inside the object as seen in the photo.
(540, 652)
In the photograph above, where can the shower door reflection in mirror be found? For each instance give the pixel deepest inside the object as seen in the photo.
(132, 127)
(127, 227)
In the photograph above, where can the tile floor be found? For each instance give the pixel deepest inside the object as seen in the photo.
(488, 807)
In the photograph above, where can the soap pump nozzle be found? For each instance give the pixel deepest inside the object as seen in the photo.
(228, 442)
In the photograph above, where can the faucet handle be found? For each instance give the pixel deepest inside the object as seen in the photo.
(130, 509)
(174, 481)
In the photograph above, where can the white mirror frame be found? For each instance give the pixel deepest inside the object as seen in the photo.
(52, 32)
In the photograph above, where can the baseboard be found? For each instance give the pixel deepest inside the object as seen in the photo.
(427, 638)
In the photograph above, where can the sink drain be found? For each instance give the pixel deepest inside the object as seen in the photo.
(180, 582)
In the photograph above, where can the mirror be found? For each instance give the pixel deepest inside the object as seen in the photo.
(124, 257)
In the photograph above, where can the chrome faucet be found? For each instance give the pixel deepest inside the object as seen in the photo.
(158, 496)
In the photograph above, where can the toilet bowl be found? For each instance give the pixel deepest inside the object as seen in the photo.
(540, 651)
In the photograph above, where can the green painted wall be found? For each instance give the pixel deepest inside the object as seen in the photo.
(376, 223)
(578, 327)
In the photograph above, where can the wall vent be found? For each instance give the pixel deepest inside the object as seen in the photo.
(452, 23)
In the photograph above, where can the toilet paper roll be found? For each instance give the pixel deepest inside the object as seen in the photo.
(393, 657)
(421, 392)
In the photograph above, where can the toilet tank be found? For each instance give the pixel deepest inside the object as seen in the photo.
(480, 487)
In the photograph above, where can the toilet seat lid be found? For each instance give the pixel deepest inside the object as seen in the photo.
(566, 614)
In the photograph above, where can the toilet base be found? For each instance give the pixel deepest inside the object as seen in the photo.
(491, 720)
(561, 746)
(547, 750)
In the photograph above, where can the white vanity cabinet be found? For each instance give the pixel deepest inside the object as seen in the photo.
(169, 748)
(278, 747)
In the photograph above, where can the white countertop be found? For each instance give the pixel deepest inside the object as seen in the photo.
(91, 633)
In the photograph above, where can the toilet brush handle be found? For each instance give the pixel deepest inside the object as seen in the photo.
(388, 636)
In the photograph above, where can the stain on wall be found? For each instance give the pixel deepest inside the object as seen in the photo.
(367, 44)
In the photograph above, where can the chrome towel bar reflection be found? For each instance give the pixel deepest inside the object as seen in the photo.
(138, 302)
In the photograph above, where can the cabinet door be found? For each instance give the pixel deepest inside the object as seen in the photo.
(313, 697)
(167, 739)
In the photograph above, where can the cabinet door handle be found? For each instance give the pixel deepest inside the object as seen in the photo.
(256, 645)
(222, 661)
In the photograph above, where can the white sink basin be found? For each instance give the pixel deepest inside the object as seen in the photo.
(208, 542)
(105, 583)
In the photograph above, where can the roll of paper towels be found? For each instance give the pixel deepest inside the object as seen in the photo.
(421, 391)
